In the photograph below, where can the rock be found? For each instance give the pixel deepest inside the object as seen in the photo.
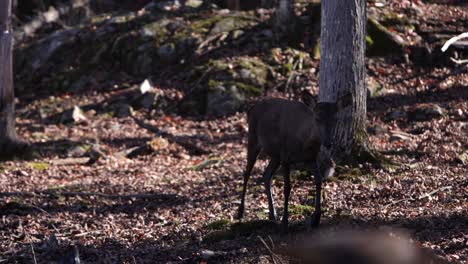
(236, 34)
(245, 74)
(462, 158)
(426, 112)
(373, 87)
(158, 144)
(145, 86)
(169, 5)
(225, 86)
(46, 48)
(230, 23)
(193, 3)
(222, 101)
(78, 115)
(381, 41)
(78, 151)
(75, 115)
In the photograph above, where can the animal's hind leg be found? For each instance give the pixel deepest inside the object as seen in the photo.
(252, 153)
(269, 171)
(318, 210)
(287, 192)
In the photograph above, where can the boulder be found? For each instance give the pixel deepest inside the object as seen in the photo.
(223, 86)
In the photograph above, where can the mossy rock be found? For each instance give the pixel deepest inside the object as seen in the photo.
(40, 166)
(380, 41)
(395, 19)
(223, 86)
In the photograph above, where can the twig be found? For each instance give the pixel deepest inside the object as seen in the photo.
(272, 243)
(199, 52)
(40, 209)
(434, 192)
(459, 61)
(272, 255)
(293, 72)
(87, 233)
(453, 40)
(274, 258)
(420, 197)
(32, 247)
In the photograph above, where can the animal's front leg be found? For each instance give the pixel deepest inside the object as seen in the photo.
(287, 192)
(318, 210)
(269, 171)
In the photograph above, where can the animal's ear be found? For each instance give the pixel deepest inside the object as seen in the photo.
(308, 99)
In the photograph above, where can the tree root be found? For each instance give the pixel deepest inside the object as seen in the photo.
(362, 153)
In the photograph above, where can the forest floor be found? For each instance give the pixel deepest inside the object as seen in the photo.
(172, 204)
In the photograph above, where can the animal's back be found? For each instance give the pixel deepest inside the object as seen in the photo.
(283, 128)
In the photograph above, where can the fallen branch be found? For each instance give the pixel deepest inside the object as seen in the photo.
(434, 192)
(459, 61)
(274, 258)
(71, 161)
(453, 40)
(420, 197)
(32, 247)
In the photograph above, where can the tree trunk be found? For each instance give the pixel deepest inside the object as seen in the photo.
(342, 74)
(9, 143)
(284, 17)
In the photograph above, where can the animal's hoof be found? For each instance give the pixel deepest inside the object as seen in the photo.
(240, 214)
(315, 221)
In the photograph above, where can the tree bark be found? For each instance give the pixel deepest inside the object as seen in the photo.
(9, 143)
(342, 74)
(284, 17)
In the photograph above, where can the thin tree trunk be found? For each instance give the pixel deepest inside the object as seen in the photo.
(9, 142)
(284, 17)
(342, 72)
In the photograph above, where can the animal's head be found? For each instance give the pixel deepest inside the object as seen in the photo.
(326, 115)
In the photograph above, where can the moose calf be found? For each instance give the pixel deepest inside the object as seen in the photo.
(290, 132)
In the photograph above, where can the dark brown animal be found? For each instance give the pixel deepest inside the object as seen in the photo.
(290, 132)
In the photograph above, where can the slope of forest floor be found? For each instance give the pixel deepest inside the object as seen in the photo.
(119, 193)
